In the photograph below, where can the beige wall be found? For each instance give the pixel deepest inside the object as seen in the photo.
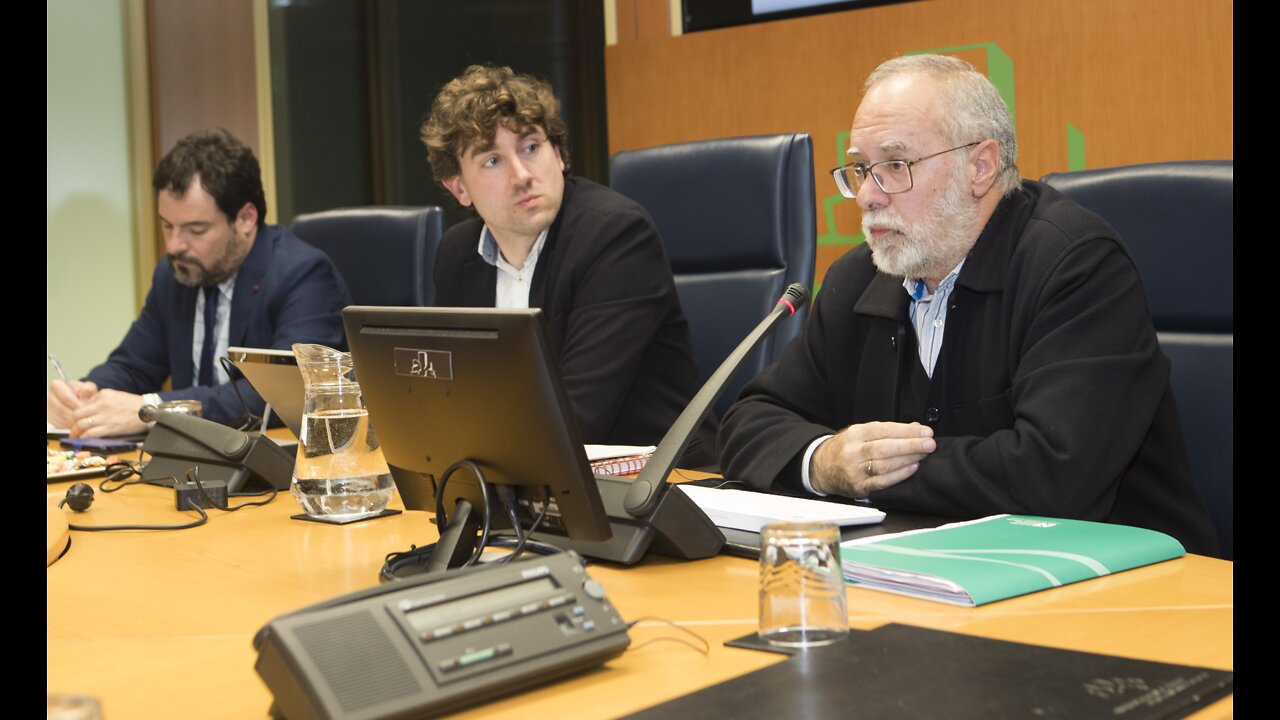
(89, 232)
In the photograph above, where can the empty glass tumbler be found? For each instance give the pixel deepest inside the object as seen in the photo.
(802, 600)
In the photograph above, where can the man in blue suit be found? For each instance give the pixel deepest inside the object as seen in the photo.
(227, 279)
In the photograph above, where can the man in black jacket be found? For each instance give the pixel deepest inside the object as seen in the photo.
(590, 258)
(988, 349)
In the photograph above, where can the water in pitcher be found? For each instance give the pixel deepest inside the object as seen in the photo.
(340, 472)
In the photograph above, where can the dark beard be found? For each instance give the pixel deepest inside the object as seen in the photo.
(186, 276)
(200, 277)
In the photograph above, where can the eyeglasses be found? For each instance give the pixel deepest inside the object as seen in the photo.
(893, 176)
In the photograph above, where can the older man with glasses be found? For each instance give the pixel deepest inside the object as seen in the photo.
(988, 349)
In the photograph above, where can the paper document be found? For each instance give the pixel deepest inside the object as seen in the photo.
(602, 452)
(750, 511)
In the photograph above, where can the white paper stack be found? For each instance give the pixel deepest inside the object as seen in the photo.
(750, 511)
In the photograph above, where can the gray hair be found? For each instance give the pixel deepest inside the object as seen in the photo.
(973, 108)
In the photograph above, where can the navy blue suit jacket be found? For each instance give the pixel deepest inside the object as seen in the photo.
(286, 292)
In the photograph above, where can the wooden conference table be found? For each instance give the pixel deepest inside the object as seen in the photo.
(159, 624)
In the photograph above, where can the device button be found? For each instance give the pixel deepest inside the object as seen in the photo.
(589, 625)
(448, 665)
(593, 589)
(530, 608)
(557, 601)
(477, 657)
(503, 649)
(472, 624)
(578, 611)
(501, 616)
(443, 632)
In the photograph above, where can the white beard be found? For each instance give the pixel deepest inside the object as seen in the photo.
(931, 246)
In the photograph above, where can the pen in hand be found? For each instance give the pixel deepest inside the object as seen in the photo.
(58, 366)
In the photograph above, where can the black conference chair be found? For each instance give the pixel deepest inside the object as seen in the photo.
(1178, 220)
(385, 254)
(737, 218)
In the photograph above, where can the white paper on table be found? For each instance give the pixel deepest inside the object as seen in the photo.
(750, 511)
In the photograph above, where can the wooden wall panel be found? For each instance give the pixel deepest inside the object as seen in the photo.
(1131, 82)
(642, 19)
(202, 64)
(203, 74)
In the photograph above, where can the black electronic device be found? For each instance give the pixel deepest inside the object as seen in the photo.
(439, 643)
(445, 385)
(178, 442)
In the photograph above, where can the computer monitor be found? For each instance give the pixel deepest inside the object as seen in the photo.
(450, 384)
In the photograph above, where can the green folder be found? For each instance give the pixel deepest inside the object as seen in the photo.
(980, 561)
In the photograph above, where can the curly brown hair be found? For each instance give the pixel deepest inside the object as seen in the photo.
(469, 108)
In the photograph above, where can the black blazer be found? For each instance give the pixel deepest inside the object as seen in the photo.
(1050, 397)
(614, 320)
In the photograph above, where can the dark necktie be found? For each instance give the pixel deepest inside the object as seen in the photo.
(210, 341)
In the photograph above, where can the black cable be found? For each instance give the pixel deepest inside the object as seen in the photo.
(415, 556)
(509, 499)
(204, 517)
(508, 494)
(251, 420)
(124, 484)
(193, 475)
(442, 519)
(533, 546)
(256, 493)
(705, 648)
(522, 539)
(121, 472)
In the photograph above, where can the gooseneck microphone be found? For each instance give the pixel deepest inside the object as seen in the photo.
(644, 494)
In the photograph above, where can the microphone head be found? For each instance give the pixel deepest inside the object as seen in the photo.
(795, 297)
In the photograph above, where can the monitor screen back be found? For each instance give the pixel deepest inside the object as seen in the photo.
(450, 384)
(275, 376)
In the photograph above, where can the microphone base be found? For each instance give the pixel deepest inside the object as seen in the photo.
(676, 528)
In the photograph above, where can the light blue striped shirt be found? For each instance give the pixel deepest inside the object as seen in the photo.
(929, 315)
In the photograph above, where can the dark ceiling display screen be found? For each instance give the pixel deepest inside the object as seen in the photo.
(713, 14)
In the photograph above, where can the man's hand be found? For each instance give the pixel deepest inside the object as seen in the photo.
(861, 459)
(107, 414)
(64, 398)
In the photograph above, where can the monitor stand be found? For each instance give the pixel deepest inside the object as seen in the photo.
(458, 539)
